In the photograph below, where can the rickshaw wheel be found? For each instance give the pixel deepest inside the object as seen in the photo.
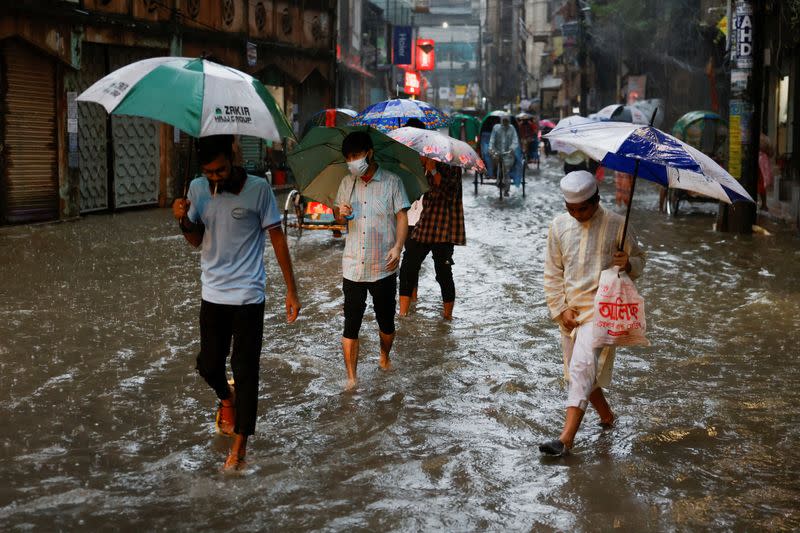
(673, 202)
(501, 176)
(475, 182)
(524, 168)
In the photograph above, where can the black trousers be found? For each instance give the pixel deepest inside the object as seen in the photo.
(355, 303)
(413, 256)
(244, 324)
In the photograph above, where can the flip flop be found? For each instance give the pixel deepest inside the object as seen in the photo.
(226, 414)
(554, 447)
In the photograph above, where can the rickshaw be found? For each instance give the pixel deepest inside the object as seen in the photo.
(496, 178)
(465, 128)
(708, 132)
(302, 214)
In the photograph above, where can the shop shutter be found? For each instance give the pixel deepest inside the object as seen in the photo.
(92, 130)
(252, 160)
(136, 144)
(30, 135)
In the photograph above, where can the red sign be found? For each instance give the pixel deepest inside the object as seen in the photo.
(425, 55)
(412, 83)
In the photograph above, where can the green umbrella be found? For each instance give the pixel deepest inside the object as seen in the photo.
(319, 166)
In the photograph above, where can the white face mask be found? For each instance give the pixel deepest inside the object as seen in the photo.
(358, 167)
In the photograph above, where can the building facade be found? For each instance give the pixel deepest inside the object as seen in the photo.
(62, 159)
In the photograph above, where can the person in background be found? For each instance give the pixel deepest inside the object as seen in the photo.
(226, 214)
(503, 144)
(581, 243)
(374, 202)
(764, 169)
(440, 227)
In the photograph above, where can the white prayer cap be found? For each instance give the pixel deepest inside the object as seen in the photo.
(578, 186)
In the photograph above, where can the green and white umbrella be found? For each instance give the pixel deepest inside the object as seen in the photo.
(195, 95)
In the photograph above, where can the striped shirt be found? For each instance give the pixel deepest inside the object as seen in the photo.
(442, 218)
(577, 253)
(373, 230)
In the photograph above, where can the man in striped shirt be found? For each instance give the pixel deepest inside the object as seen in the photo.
(374, 202)
(580, 244)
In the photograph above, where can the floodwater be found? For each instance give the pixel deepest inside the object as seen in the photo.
(107, 426)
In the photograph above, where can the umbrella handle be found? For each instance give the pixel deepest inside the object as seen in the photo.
(633, 187)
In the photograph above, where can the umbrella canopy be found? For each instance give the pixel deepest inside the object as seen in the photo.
(439, 147)
(319, 166)
(547, 124)
(524, 116)
(339, 116)
(611, 112)
(661, 157)
(693, 117)
(565, 123)
(391, 114)
(195, 95)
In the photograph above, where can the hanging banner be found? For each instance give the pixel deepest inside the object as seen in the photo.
(412, 83)
(426, 58)
(402, 45)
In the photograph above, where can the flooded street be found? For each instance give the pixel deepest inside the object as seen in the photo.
(107, 424)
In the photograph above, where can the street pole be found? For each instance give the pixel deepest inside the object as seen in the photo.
(582, 58)
(744, 126)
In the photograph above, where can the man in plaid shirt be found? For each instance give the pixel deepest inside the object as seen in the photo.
(439, 229)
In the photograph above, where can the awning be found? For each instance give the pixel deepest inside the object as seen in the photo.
(357, 69)
(297, 68)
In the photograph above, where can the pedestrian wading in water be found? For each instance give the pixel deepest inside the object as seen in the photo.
(226, 214)
(581, 243)
(373, 201)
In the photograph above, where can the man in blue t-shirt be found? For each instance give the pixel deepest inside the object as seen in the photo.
(226, 213)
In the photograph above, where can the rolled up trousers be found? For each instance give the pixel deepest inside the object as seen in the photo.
(586, 368)
(413, 256)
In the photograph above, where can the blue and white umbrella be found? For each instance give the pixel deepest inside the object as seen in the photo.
(392, 114)
(649, 153)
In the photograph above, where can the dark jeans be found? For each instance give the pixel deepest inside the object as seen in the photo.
(245, 325)
(355, 303)
(415, 254)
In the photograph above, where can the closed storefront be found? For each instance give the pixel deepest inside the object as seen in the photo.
(136, 143)
(30, 174)
(92, 131)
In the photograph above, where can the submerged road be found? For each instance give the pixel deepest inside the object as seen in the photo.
(107, 426)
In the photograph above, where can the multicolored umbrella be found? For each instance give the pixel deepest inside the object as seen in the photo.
(653, 155)
(319, 166)
(195, 95)
(392, 114)
(439, 147)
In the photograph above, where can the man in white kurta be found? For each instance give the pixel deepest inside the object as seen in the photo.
(580, 244)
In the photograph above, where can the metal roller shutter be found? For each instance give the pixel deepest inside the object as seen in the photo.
(30, 135)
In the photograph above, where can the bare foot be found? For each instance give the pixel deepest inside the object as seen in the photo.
(233, 463)
(608, 423)
(351, 385)
(385, 362)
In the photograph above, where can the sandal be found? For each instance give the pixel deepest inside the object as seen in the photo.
(226, 417)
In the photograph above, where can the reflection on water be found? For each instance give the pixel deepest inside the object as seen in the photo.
(107, 423)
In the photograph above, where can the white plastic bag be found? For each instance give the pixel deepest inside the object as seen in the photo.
(618, 312)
